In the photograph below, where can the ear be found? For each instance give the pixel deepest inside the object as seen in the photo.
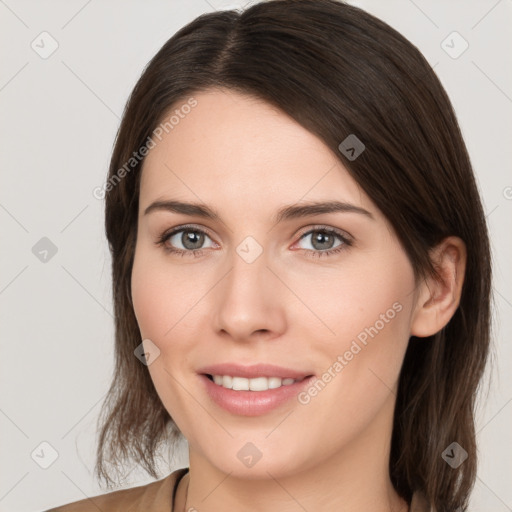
(438, 298)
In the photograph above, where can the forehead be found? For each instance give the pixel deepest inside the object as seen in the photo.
(231, 146)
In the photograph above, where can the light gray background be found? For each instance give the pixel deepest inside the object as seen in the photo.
(58, 120)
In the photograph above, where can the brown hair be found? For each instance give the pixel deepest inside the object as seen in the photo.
(337, 71)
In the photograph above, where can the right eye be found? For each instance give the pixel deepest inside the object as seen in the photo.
(190, 238)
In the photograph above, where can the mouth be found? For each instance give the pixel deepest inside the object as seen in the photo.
(257, 384)
(256, 396)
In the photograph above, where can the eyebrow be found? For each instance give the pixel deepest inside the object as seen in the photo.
(293, 211)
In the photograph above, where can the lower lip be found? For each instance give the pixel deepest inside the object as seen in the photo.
(252, 403)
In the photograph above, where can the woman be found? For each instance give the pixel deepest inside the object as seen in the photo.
(301, 271)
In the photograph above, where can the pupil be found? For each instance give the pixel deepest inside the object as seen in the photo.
(192, 240)
(322, 237)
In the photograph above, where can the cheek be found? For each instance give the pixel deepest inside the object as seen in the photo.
(365, 300)
(166, 307)
(158, 309)
(148, 303)
(160, 300)
(368, 311)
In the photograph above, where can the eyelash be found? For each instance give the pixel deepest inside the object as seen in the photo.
(346, 242)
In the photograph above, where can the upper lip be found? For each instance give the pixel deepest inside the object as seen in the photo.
(253, 371)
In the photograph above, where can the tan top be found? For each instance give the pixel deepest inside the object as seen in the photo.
(158, 497)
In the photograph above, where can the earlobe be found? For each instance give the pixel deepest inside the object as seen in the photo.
(439, 296)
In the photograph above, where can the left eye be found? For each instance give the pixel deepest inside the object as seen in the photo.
(322, 239)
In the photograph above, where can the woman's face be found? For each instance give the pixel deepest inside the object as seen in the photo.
(333, 306)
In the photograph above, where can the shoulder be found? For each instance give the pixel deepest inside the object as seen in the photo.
(154, 496)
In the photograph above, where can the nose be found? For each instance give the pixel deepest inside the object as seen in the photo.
(249, 301)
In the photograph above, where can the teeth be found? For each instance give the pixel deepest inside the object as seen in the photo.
(256, 384)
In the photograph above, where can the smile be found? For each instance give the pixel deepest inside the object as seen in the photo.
(252, 396)
(256, 384)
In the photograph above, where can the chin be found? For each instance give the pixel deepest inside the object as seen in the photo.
(253, 461)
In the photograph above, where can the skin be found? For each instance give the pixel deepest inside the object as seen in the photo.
(247, 159)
